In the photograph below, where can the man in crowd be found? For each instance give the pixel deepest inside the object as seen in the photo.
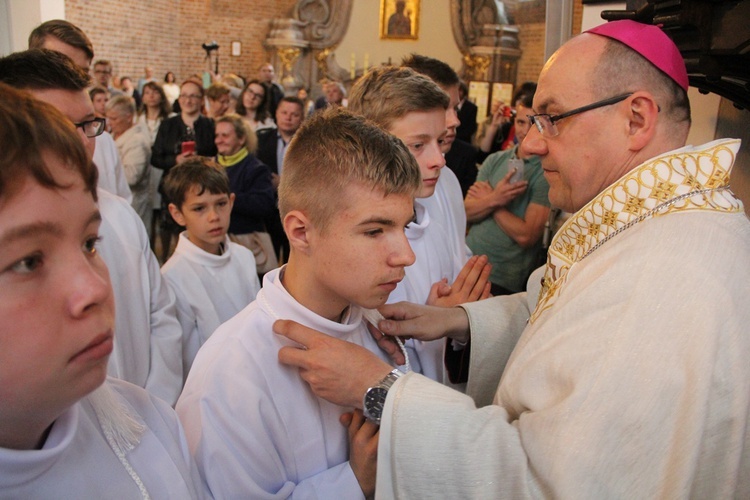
(67, 38)
(274, 90)
(103, 76)
(628, 377)
(272, 144)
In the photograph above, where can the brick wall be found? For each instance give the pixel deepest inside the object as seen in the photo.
(167, 34)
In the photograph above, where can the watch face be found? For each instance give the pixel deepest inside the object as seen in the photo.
(374, 401)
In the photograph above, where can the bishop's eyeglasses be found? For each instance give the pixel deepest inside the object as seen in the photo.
(545, 123)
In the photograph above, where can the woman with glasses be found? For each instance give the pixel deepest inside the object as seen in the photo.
(180, 137)
(253, 106)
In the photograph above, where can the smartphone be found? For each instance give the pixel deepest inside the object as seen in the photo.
(188, 147)
(516, 163)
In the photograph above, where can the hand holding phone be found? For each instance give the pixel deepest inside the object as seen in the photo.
(188, 147)
(517, 164)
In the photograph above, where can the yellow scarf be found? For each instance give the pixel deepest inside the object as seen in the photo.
(228, 161)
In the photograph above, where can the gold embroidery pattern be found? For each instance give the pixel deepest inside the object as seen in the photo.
(665, 181)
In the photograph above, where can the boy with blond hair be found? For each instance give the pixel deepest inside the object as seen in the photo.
(212, 277)
(413, 108)
(254, 427)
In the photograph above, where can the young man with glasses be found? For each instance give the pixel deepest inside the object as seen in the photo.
(67, 38)
(148, 340)
(629, 376)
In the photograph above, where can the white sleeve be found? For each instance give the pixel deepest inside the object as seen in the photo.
(165, 373)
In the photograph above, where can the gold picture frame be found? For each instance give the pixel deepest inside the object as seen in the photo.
(399, 19)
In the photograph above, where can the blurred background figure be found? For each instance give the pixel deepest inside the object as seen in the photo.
(253, 106)
(134, 147)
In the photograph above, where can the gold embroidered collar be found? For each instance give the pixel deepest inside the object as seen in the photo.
(690, 178)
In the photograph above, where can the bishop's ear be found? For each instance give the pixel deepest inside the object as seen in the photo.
(643, 115)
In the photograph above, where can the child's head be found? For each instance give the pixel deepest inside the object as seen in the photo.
(200, 200)
(411, 107)
(447, 79)
(346, 196)
(56, 300)
(335, 150)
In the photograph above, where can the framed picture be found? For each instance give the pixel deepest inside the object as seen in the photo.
(399, 19)
(236, 49)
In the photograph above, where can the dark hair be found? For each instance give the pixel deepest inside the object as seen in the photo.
(198, 171)
(167, 76)
(164, 108)
(440, 72)
(64, 31)
(523, 92)
(42, 69)
(262, 113)
(294, 100)
(104, 62)
(96, 90)
(29, 129)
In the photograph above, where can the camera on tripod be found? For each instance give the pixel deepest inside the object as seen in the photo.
(210, 46)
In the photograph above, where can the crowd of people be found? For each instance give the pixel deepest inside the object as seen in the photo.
(335, 314)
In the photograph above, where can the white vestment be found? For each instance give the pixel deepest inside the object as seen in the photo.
(79, 461)
(108, 163)
(632, 378)
(210, 289)
(437, 240)
(135, 151)
(148, 337)
(254, 427)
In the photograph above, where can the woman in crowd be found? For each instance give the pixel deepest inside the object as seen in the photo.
(134, 147)
(154, 111)
(249, 180)
(180, 137)
(171, 89)
(253, 106)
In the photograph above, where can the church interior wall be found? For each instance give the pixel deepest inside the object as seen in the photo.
(167, 34)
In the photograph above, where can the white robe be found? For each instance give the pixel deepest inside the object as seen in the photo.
(253, 425)
(148, 337)
(632, 379)
(135, 151)
(210, 289)
(437, 240)
(77, 461)
(111, 173)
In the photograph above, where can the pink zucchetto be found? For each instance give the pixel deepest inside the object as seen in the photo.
(650, 42)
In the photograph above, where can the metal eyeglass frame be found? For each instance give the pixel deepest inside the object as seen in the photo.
(550, 130)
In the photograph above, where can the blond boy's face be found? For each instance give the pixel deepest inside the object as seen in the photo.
(205, 217)
(423, 133)
(361, 255)
(56, 300)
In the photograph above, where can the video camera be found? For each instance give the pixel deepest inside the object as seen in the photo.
(209, 47)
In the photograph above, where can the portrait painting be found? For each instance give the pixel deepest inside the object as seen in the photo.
(399, 19)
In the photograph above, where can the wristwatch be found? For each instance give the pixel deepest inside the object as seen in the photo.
(374, 399)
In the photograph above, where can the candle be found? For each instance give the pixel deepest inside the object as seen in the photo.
(367, 62)
(353, 70)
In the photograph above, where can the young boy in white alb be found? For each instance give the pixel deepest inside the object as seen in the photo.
(254, 427)
(413, 108)
(65, 429)
(212, 278)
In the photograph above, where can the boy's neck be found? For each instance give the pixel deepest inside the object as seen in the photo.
(216, 249)
(26, 436)
(296, 281)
